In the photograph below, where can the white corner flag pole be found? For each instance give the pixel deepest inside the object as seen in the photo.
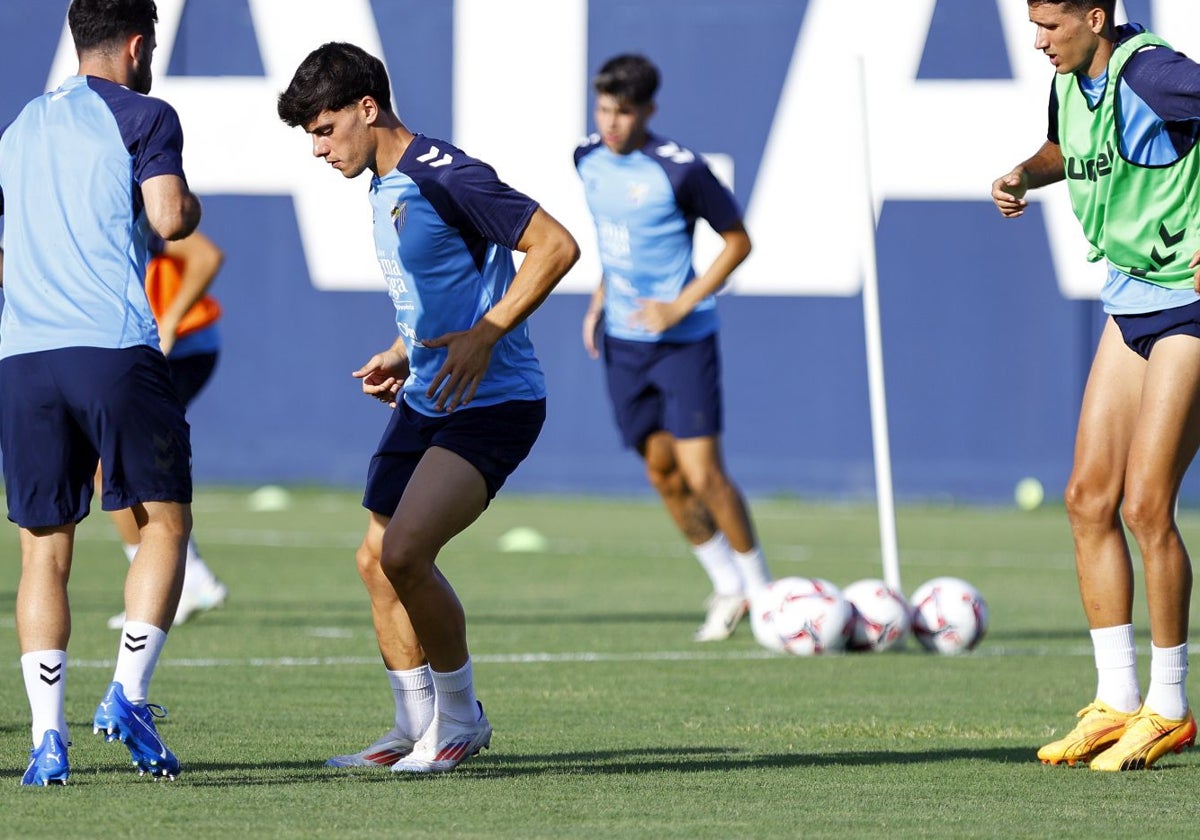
(875, 384)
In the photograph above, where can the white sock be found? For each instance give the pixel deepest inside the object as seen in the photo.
(752, 566)
(414, 695)
(456, 694)
(141, 644)
(45, 674)
(130, 551)
(716, 557)
(195, 571)
(1116, 667)
(1167, 694)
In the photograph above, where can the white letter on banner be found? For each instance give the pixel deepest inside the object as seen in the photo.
(234, 143)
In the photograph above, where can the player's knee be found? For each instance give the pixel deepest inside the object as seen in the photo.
(1089, 504)
(710, 484)
(668, 482)
(1147, 513)
(169, 521)
(403, 563)
(367, 560)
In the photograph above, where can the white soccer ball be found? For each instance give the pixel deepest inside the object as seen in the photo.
(801, 616)
(948, 615)
(765, 602)
(881, 616)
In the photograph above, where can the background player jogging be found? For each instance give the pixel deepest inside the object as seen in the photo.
(659, 324)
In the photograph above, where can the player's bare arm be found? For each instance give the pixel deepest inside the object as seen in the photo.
(201, 259)
(659, 316)
(1194, 264)
(384, 373)
(591, 321)
(550, 251)
(172, 209)
(1045, 167)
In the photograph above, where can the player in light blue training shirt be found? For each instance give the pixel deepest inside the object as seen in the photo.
(87, 172)
(467, 393)
(659, 322)
(445, 228)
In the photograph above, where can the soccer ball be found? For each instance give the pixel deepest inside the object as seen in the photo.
(948, 615)
(764, 604)
(881, 616)
(801, 616)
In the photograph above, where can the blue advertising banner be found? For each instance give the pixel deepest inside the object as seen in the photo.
(988, 325)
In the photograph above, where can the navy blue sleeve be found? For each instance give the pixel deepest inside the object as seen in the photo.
(1052, 117)
(1167, 81)
(149, 127)
(586, 147)
(701, 195)
(485, 203)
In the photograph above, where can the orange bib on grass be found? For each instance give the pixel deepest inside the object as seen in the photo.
(164, 276)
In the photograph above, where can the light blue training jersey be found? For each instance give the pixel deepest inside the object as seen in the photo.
(75, 228)
(645, 205)
(445, 227)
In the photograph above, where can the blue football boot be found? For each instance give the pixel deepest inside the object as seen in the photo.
(133, 726)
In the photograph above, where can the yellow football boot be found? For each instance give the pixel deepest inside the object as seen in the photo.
(1099, 727)
(1148, 737)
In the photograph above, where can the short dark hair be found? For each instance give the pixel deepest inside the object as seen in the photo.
(628, 77)
(332, 77)
(1081, 6)
(99, 23)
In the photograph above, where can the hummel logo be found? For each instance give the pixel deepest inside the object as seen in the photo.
(164, 455)
(1169, 239)
(135, 643)
(675, 152)
(50, 673)
(433, 152)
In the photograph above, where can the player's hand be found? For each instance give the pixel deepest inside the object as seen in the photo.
(1008, 193)
(591, 332)
(468, 354)
(383, 375)
(656, 316)
(1195, 266)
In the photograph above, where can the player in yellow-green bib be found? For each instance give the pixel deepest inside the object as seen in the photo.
(1124, 120)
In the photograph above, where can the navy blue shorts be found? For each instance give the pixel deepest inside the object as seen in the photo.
(189, 374)
(662, 386)
(63, 410)
(1142, 330)
(493, 439)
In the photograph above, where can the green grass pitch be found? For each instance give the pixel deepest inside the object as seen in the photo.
(610, 722)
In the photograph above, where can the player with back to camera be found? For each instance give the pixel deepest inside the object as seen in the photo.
(659, 324)
(87, 172)
(177, 284)
(466, 389)
(1123, 129)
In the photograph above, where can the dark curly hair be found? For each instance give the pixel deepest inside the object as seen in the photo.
(99, 23)
(629, 78)
(332, 77)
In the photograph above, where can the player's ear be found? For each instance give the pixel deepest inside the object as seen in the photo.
(1097, 19)
(369, 109)
(133, 47)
